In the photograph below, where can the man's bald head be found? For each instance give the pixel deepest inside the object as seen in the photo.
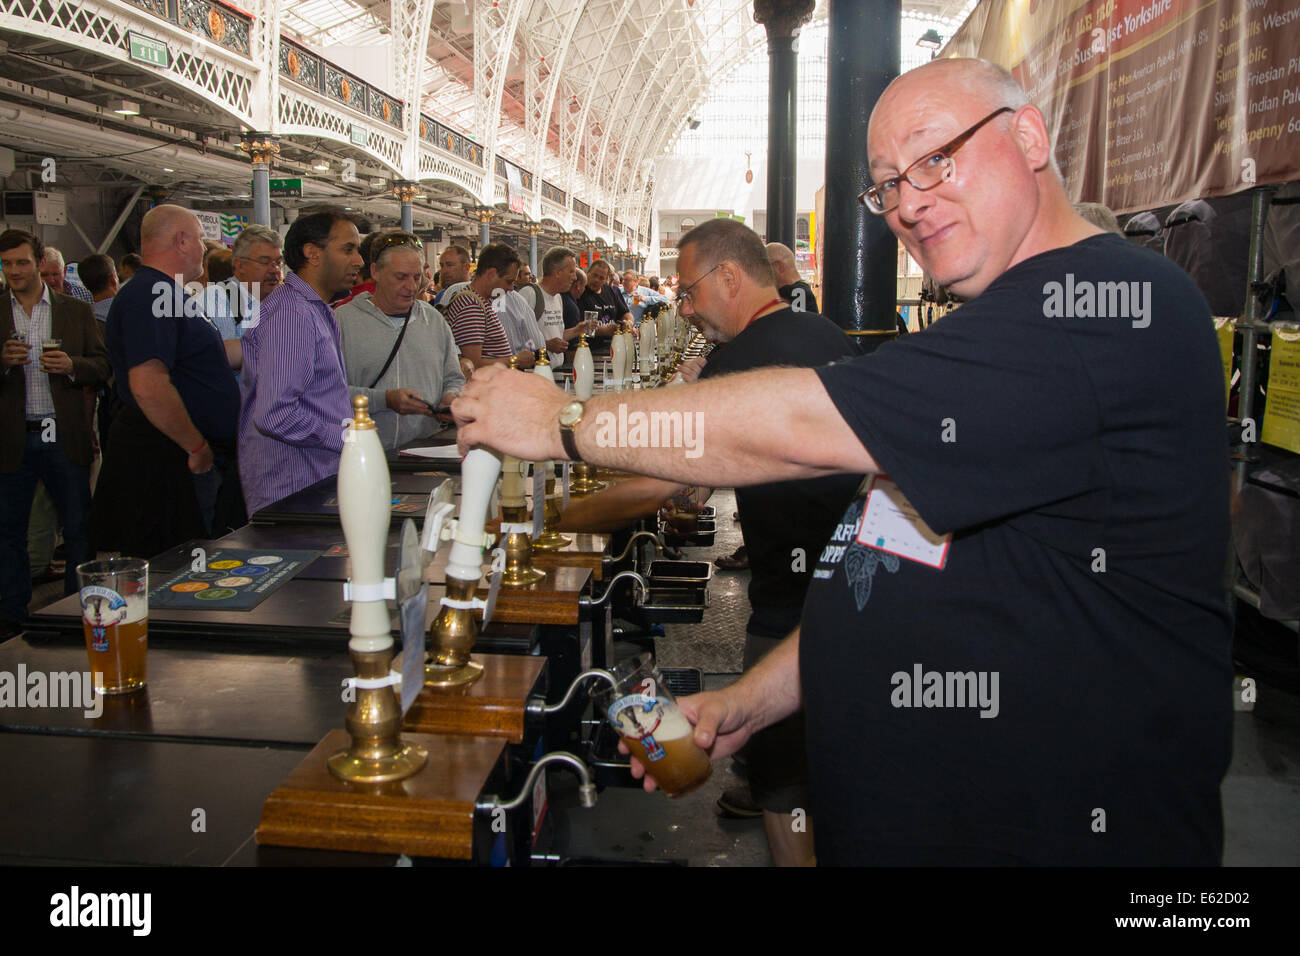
(783, 265)
(161, 223)
(171, 241)
(999, 199)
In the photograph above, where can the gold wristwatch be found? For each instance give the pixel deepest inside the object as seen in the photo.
(570, 415)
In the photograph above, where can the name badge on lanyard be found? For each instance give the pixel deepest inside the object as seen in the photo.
(890, 523)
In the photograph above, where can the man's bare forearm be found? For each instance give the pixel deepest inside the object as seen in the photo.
(770, 689)
(775, 424)
(618, 506)
(162, 405)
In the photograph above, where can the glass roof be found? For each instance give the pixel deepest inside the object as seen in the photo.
(629, 70)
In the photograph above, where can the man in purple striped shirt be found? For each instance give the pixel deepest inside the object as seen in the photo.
(295, 391)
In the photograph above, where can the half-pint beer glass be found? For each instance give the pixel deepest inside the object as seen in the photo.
(657, 733)
(115, 618)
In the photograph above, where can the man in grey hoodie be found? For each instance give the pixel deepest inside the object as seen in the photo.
(403, 382)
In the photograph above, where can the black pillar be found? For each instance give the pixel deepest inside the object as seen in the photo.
(782, 20)
(859, 252)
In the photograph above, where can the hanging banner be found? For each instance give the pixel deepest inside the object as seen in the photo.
(514, 189)
(1153, 102)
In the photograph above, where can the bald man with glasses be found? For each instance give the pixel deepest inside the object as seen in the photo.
(1015, 648)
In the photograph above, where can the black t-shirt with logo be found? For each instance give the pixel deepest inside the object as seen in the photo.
(609, 303)
(1072, 444)
(785, 524)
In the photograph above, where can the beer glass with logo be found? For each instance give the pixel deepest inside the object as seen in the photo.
(641, 708)
(115, 619)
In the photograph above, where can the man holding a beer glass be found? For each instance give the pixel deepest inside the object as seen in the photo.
(53, 349)
(1015, 647)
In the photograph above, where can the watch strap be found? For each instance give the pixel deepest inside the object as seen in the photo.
(569, 442)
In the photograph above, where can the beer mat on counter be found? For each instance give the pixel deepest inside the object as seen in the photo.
(233, 580)
(402, 504)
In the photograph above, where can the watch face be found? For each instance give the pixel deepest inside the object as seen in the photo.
(571, 413)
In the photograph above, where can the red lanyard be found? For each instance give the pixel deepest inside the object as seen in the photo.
(764, 308)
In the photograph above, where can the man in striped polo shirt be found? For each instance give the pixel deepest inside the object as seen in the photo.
(475, 324)
(295, 391)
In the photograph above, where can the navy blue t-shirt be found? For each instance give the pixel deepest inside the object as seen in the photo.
(782, 520)
(148, 320)
(1068, 432)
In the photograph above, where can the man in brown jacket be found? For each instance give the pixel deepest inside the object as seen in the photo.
(52, 350)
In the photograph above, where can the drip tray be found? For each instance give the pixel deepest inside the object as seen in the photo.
(701, 537)
(683, 681)
(680, 574)
(673, 605)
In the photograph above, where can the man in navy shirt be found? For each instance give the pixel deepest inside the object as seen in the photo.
(171, 461)
(1016, 645)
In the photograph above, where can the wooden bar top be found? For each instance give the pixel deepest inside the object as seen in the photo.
(430, 814)
(492, 706)
(552, 600)
(583, 551)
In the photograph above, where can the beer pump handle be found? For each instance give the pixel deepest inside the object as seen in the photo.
(584, 371)
(364, 494)
(478, 479)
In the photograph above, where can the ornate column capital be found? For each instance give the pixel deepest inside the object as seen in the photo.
(261, 148)
(783, 18)
(404, 190)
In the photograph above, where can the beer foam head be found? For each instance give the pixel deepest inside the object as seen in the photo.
(663, 720)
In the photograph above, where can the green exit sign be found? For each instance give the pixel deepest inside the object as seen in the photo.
(148, 50)
(286, 187)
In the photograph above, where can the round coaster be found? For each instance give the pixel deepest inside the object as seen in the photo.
(216, 594)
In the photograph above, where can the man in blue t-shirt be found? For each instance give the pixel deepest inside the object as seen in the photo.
(170, 473)
(1016, 646)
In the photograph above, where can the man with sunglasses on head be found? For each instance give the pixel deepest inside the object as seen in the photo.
(1016, 646)
(398, 350)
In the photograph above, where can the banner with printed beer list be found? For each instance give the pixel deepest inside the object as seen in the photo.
(1281, 425)
(1153, 102)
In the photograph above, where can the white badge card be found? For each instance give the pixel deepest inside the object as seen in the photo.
(890, 523)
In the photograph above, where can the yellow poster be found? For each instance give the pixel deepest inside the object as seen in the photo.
(1223, 328)
(1282, 407)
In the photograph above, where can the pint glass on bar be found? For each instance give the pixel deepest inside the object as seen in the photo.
(115, 619)
(652, 727)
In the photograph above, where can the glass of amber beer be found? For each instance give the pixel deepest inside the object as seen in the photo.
(641, 708)
(115, 619)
